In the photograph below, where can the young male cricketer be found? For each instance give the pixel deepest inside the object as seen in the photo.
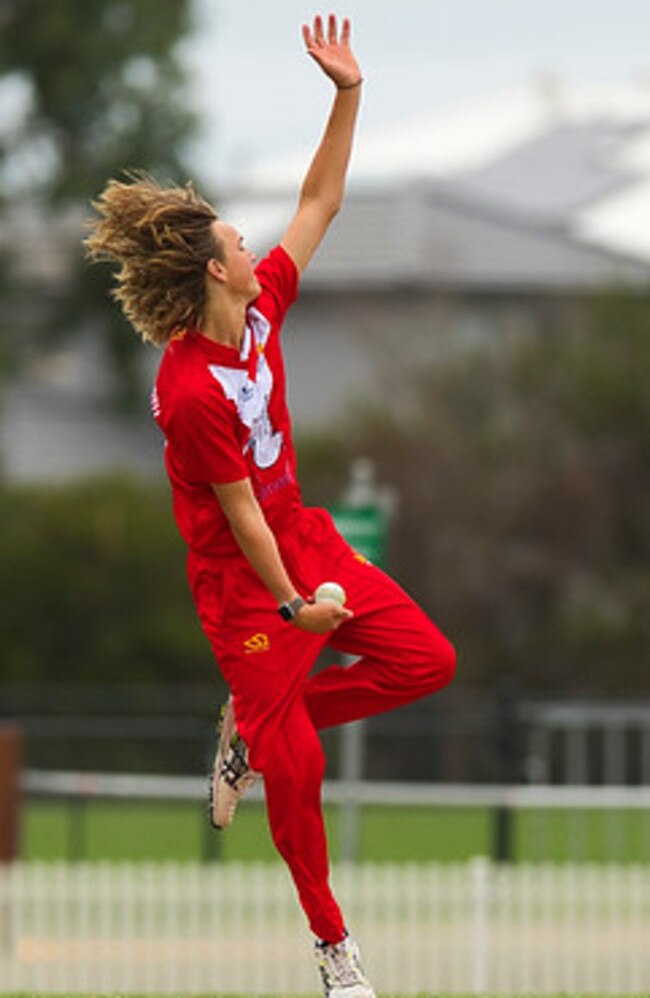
(187, 282)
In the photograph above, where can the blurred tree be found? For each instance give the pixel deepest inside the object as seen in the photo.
(6, 354)
(524, 488)
(93, 584)
(91, 88)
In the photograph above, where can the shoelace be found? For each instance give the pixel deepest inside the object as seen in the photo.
(235, 764)
(339, 965)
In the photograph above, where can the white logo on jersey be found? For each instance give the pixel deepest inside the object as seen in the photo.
(252, 398)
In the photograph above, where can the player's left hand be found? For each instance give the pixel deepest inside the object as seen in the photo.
(320, 618)
(332, 51)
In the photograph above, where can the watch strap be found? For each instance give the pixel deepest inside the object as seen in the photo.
(289, 610)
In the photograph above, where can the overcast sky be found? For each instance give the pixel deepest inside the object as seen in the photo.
(260, 96)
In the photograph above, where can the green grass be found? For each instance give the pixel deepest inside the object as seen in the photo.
(138, 831)
(180, 831)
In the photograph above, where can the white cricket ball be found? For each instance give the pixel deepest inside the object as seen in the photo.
(330, 591)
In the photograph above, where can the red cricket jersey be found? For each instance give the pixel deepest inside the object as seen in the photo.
(224, 415)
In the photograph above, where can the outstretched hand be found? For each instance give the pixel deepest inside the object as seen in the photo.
(332, 52)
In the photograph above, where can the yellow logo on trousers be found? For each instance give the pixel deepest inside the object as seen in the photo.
(257, 643)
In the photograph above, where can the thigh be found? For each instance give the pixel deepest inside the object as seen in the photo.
(387, 621)
(264, 659)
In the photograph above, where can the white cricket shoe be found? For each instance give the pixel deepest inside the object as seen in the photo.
(340, 969)
(231, 775)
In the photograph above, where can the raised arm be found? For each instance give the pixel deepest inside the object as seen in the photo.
(321, 193)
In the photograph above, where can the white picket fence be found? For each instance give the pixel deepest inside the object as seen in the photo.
(472, 927)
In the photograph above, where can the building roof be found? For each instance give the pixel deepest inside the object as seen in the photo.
(435, 236)
(573, 156)
(557, 173)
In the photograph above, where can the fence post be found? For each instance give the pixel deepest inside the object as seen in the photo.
(362, 517)
(11, 755)
(77, 844)
(480, 895)
(352, 765)
(507, 762)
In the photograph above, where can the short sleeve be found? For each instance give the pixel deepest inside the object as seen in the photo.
(278, 277)
(205, 446)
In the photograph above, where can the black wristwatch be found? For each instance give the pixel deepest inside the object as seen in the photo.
(289, 610)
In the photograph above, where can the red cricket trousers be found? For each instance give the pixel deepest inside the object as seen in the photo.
(280, 708)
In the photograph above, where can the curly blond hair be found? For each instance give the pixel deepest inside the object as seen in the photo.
(161, 238)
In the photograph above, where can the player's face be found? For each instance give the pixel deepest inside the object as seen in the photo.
(238, 263)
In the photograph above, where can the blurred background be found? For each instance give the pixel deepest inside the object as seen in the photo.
(468, 365)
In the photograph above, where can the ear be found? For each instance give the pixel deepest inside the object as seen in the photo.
(216, 269)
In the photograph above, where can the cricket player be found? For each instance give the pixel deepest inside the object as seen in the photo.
(188, 283)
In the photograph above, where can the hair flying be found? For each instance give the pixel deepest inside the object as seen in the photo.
(161, 238)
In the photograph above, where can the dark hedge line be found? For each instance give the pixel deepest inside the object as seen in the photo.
(93, 586)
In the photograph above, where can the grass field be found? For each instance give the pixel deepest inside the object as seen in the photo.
(180, 831)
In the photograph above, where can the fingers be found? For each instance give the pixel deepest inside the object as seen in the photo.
(320, 618)
(338, 616)
(318, 30)
(307, 36)
(314, 37)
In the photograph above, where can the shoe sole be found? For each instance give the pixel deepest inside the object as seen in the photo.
(225, 736)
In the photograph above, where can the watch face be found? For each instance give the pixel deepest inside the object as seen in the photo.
(285, 611)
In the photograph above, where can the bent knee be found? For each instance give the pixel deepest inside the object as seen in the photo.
(447, 660)
(440, 658)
